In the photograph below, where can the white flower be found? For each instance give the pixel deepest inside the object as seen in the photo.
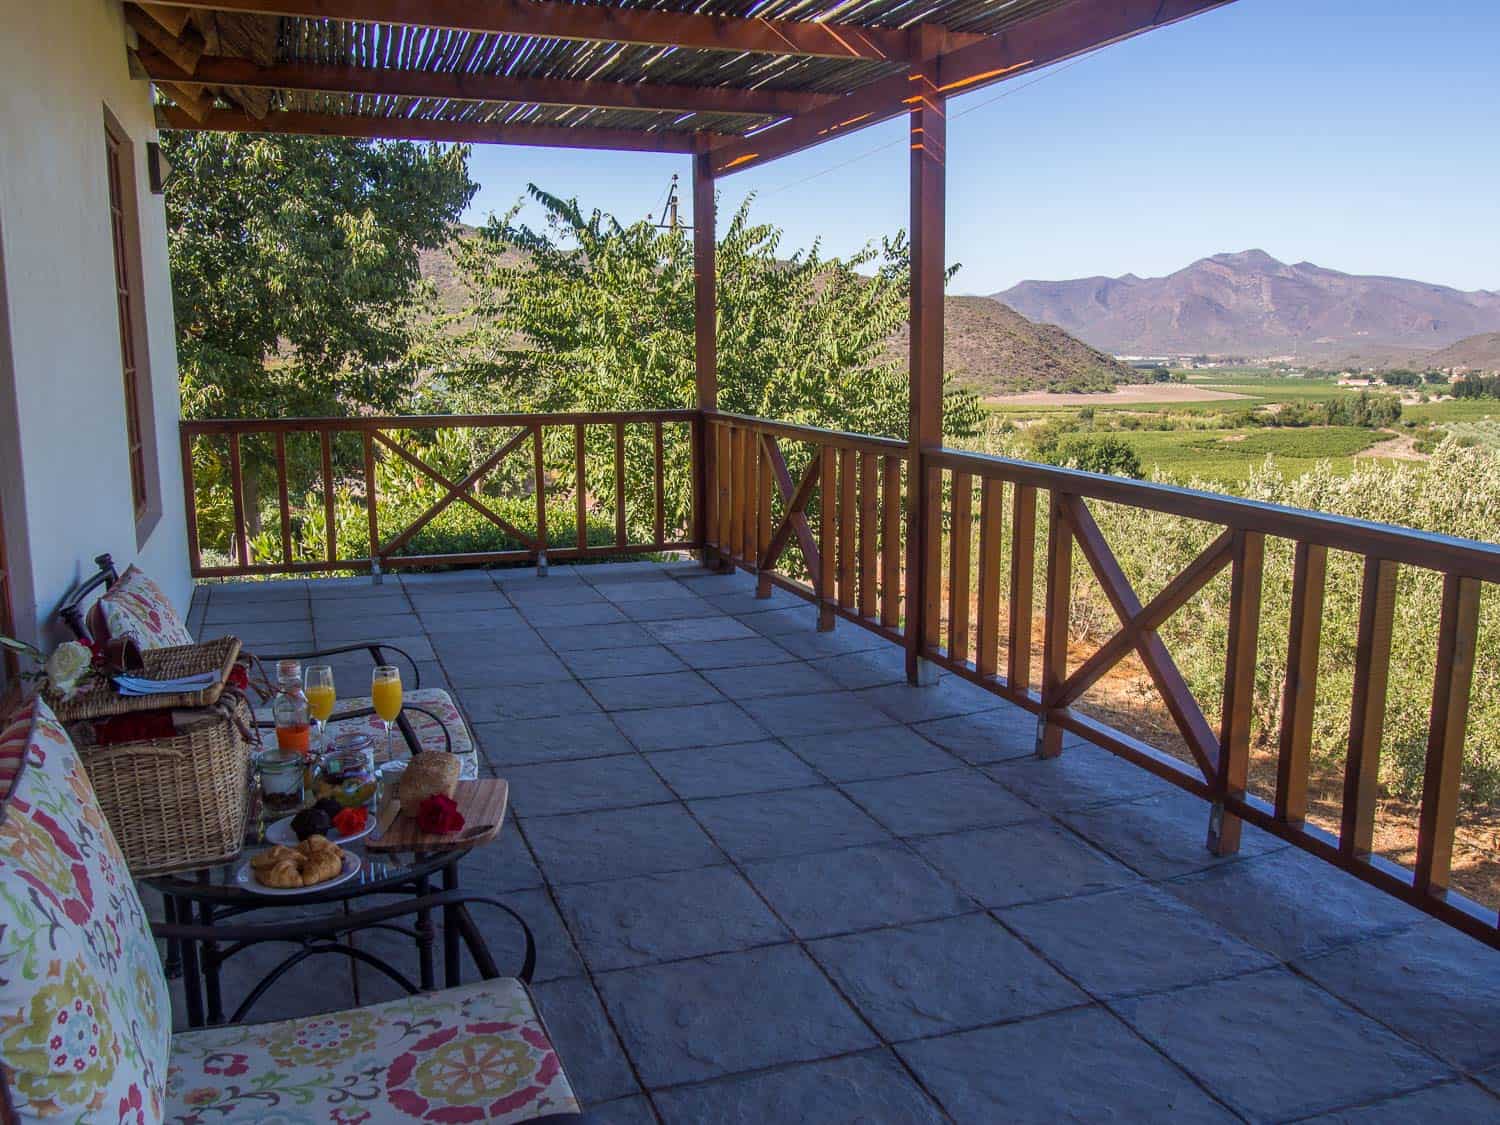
(67, 666)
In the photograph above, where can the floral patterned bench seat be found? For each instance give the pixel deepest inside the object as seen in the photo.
(85, 1020)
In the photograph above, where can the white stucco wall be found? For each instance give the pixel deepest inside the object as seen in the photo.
(61, 64)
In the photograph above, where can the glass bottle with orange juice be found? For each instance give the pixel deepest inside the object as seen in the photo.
(289, 708)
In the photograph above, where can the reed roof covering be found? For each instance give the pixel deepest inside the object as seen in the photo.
(669, 75)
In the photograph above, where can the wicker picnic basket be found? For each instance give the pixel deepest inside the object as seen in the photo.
(98, 699)
(179, 802)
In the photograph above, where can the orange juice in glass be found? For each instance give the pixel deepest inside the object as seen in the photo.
(385, 696)
(321, 697)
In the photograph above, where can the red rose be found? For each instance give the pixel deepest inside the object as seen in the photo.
(239, 677)
(439, 815)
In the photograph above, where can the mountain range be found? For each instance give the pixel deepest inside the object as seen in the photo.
(1250, 304)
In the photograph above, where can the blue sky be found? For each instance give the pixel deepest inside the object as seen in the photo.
(1357, 134)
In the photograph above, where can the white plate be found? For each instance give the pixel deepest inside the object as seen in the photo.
(246, 879)
(281, 833)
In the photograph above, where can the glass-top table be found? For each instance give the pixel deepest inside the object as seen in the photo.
(213, 898)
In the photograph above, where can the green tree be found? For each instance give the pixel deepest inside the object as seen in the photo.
(586, 313)
(294, 267)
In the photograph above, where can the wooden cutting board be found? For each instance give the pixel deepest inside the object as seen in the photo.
(482, 804)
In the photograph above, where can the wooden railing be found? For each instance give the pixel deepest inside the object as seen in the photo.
(761, 508)
(347, 455)
(827, 515)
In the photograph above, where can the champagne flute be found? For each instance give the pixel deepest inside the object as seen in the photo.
(321, 696)
(385, 694)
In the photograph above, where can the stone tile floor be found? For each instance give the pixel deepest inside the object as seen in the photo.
(774, 883)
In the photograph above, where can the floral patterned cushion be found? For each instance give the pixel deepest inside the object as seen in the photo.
(429, 733)
(136, 607)
(477, 1053)
(13, 748)
(85, 1016)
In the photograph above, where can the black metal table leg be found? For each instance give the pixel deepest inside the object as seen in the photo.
(172, 963)
(192, 982)
(452, 956)
(211, 963)
(423, 927)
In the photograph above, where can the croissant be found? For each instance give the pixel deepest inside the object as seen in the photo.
(283, 875)
(272, 856)
(320, 867)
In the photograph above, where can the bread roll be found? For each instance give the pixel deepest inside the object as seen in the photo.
(428, 773)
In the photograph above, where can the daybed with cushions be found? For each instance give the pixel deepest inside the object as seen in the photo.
(85, 1021)
(132, 605)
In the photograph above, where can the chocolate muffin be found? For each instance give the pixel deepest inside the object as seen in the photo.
(311, 822)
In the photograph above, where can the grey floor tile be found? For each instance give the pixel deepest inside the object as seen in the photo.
(992, 736)
(656, 690)
(556, 956)
(623, 593)
(616, 844)
(1078, 778)
(391, 603)
(694, 1020)
(557, 738)
(916, 981)
(947, 801)
(1451, 1101)
(1162, 836)
(635, 660)
(1131, 941)
(648, 919)
(789, 822)
(860, 755)
(498, 623)
(687, 630)
(845, 638)
(854, 889)
(526, 701)
(758, 681)
(485, 599)
(269, 636)
(1433, 984)
(723, 771)
(583, 786)
(587, 1045)
(1250, 1041)
(826, 712)
(800, 617)
(855, 670)
(743, 602)
(503, 866)
(333, 589)
(1071, 1066)
(619, 635)
(667, 609)
(499, 669)
(620, 1111)
(730, 654)
(1293, 904)
(442, 582)
(577, 616)
(233, 615)
(552, 590)
(865, 1089)
(949, 697)
(1019, 863)
(676, 728)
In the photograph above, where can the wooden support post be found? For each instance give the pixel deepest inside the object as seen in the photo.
(1239, 689)
(958, 566)
(991, 533)
(1055, 637)
(1022, 581)
(890, 544)
(929, 139)
(869, 533)
(705, 337)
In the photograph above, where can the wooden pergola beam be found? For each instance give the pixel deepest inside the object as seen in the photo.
(1049, 38)
(419, 129)
(377, 81)
(553, 19)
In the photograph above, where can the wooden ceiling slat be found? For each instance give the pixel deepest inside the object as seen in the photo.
(555, 19)
(418, 129)
(214, 71)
